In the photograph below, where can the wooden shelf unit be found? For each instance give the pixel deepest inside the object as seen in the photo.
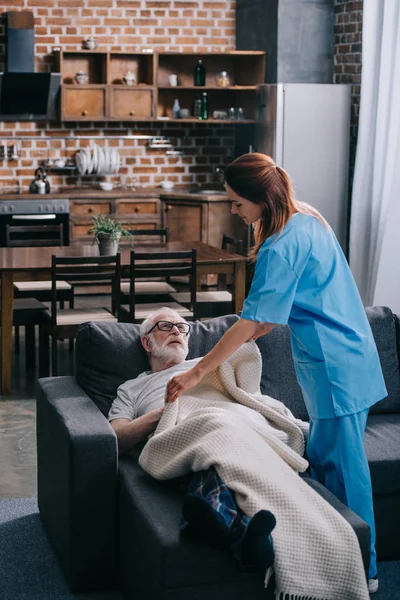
(106, 97)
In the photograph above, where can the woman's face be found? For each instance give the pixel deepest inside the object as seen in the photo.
(250, 212)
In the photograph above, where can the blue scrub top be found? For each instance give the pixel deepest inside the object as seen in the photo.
(302, 279)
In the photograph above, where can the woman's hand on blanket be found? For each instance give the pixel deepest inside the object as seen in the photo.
(262, 329)
(180, 384)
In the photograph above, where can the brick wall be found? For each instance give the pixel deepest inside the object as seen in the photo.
(348, 46)
(128, 25)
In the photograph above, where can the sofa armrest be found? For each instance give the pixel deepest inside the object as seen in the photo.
(77, 481)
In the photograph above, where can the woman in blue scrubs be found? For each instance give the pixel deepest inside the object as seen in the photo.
(302, 279)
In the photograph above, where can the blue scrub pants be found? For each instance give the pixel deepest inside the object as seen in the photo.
(335, 450)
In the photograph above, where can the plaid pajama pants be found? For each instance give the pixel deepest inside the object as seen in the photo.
(210, 487)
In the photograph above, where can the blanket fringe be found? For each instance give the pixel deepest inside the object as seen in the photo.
(279, 595)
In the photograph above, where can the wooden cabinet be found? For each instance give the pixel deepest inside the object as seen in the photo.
(106, 96)
(185, 220)
(128, 103)
(132, 213)
(201, 220)
(245, 69)
(84, 102)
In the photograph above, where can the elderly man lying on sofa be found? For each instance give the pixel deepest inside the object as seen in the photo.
(246, 451)
(209, 508)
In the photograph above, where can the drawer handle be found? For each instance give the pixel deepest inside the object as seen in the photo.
(131, 112)
(169, 207)
(90, 210)
(136, 209)
(84, 113)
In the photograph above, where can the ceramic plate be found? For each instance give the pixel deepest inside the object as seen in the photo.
(101, 163)
(115, 161)
(81, 162)
(89, 160)
(107, 153)
(95, 159)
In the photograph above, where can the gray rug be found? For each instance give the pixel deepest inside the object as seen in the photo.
(29, 569)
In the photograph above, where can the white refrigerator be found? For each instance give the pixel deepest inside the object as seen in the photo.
(306, 129)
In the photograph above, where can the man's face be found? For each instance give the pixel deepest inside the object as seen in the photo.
(168, 345)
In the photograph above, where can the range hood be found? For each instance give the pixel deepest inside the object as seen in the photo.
(24, 94)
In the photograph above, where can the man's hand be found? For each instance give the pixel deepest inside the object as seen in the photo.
(262, 329)
(180, 384)
(154, 417)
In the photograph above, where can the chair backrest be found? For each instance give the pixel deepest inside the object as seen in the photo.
(145, 265)
(237, 245)
(34, 235)
(75, 269)
(163, 234)
(230, 245)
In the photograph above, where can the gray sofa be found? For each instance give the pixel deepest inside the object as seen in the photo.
(112, 526)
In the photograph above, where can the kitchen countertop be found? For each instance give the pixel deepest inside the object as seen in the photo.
(97, 194)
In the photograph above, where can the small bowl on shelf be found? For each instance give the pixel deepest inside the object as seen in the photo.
(106, 186)
(167, 185)
(90, 43)
(81, 77)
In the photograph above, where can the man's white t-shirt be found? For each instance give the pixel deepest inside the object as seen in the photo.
(136, 397)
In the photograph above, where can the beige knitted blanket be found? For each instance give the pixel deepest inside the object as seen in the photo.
(317, 555)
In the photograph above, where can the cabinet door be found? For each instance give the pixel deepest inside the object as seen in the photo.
(130, 104)
(84, 103)
(184, 221)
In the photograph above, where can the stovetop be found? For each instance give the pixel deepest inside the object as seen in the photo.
(34, 207)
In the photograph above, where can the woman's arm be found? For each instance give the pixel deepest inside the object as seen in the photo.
(237, 335)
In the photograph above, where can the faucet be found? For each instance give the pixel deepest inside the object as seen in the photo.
(219, 171)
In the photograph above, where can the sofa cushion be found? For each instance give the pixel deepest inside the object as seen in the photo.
(204, 335)
(108, 354)
(383, 327)
(382, 447)
(278, 377)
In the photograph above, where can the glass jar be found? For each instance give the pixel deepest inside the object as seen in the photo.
(223, 79)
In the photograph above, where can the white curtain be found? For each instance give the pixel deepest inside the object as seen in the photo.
(375, 213)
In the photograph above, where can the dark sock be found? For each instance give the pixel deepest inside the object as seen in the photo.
(257, 546)
(205, 522)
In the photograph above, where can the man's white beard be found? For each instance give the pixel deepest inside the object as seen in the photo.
(176, 352)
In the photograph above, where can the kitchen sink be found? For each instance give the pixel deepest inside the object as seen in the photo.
(219, 192)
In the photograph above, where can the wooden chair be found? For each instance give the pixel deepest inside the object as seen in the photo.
(39, 235)
(150, 291)
(28, 312)
(214, 303)
(166, 264)
(63, 324)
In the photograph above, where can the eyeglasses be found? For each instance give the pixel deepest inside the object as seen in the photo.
(183, 328)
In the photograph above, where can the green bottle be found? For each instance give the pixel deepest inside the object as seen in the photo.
(199, 75)
(204, 107)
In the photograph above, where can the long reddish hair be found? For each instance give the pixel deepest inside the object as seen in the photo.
(257, 178)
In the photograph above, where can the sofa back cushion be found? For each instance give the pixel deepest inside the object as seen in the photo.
(278, 378)
(383, 325)
(108, 354)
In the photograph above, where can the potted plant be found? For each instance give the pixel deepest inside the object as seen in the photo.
(107, 233)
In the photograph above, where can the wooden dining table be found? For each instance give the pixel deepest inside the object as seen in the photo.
(28, 264)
